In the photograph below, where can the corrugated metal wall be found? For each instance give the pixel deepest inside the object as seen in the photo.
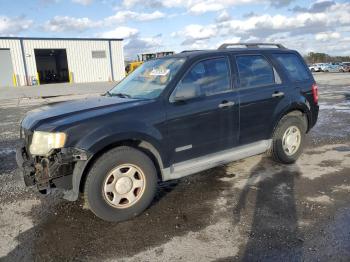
(117, 57)
(81, 64)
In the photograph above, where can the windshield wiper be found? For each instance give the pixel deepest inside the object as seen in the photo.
(122, 95)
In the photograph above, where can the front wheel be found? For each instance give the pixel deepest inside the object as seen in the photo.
(121, 184)
(288, 139)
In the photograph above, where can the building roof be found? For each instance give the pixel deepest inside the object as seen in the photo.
(60, 38)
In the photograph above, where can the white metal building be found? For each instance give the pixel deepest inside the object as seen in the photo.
(31, 61)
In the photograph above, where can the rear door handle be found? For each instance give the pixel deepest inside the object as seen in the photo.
(278, 94)
(226, 104)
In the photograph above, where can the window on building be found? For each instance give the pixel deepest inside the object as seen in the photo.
(99, 54)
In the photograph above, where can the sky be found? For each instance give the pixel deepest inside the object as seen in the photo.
(176, 25)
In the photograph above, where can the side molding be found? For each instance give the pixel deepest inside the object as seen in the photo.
(196, 165)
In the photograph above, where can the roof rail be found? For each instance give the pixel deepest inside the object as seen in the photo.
(189, 51)
(250, 45)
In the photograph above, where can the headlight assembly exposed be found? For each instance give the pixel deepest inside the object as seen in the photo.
(44, 142)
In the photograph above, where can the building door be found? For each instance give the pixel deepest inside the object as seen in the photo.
(52, 65)
(6, 68)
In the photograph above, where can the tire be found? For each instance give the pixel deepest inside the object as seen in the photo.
(277, 151)
(122, 169)
(312, 70)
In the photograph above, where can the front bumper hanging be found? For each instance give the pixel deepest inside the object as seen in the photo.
(53, 171)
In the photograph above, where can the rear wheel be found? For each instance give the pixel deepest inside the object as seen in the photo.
(121, 184)
(288, 139)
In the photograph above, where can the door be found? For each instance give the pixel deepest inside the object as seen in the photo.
(260, 92)
(6, 68)
(208, 121)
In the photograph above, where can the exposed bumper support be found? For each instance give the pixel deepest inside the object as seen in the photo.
(63, 169)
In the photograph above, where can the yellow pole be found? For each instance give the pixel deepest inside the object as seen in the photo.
(38, 79)
(14, 80)
(70, 77)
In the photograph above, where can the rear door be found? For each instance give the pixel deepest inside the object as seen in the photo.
(260, 92)
(208, 122)
(300, 79)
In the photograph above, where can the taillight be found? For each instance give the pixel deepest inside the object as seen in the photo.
(315, 93)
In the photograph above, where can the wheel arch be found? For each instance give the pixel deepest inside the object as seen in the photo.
(140, 144)
(296, 111)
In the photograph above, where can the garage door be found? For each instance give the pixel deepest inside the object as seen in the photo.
(6, 68)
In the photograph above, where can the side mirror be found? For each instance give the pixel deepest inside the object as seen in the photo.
(185, 92)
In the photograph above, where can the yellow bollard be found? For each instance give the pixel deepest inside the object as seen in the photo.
(70, 77)
(38, 79)
(14, 80)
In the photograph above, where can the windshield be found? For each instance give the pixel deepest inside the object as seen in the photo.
(149, 80)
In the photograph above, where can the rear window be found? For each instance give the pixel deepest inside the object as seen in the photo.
(295, 68)
(254, 70)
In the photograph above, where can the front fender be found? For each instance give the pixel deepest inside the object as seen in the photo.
(100, 138)
(105, 136)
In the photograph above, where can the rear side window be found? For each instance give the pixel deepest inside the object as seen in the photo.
(295, 68)
(254, 70)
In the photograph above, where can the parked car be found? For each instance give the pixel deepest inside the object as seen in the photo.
(332, 68)
(173, 117)
(346, 66)
(316, 67)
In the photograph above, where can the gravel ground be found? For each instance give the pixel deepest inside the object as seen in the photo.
(250, 210)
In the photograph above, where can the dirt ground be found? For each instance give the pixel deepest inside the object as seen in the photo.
(250, 210)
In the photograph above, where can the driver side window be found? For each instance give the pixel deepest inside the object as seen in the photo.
(206, 78)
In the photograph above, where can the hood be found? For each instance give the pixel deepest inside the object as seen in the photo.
(76, 110)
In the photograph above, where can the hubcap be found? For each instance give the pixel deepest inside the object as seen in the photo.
(124, 186)
(291, 140)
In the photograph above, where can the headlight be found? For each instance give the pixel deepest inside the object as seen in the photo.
(44, 142)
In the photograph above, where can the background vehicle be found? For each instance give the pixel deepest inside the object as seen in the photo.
(175, 116)
(332, 68)
(346, 66)
(315, 68)
(141, 58)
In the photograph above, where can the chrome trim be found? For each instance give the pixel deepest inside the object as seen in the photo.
(183, 148)
(199, 164)
(278, 94)
(226, 104)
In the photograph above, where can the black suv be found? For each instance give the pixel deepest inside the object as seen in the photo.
(172, 117)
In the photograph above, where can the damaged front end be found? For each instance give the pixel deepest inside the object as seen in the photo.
(53, 171)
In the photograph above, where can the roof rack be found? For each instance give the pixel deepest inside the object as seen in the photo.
(188, 51)
(250, 45)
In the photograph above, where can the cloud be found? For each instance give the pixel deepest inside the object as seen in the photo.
(301, 30)
(326, 36)
(280, 3)
(82, 2)
(120, 32)
(136, 45)
(223, 16)
(13, 26)
(192, 33)
(123, 16)
(317, 7)
(202, 6)
(69, 24)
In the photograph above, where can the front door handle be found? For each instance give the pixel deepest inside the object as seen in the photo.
(278, 94)
(226, 104)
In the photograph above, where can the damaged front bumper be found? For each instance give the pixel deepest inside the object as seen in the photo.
(54, 171)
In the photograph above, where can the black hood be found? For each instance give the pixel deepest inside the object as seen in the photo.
(66, 112)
